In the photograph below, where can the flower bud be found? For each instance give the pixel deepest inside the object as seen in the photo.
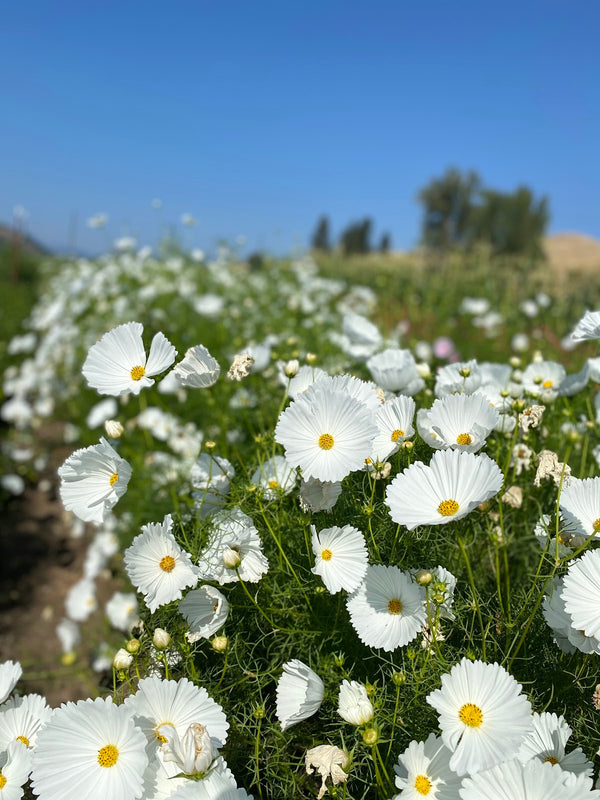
(219, 643)
(423, 577)
(122, 659)
(399, 678)
(292, 367)
(311, 358)
(113, 428)
(132, 646)
(161, 639)
(371, 736)
(231, 558)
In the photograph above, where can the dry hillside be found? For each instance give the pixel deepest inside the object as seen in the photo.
(572, 252)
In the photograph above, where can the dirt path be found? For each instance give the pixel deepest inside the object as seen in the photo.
(39, 562)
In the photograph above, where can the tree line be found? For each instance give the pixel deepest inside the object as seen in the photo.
(459, 212)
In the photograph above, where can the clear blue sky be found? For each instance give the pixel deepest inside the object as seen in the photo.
(258, 116)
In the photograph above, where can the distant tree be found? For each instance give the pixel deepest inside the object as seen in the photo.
(356, 238)
(512, 223)
(385, 243)
(320, 238)
(448, 206)
(460, 212)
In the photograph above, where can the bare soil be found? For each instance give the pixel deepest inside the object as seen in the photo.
(39, 562)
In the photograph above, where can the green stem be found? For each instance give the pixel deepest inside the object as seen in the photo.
(474, 590)
(256, 757)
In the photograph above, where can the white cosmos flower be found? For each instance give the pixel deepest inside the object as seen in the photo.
(157, 566)
(483, 715)
(547, 743)
(299, 693)
(15, 766)
(388, 608)
(92, 480)
(316, 495)
(394, 420)
(329, 762)
(543, 379)
(354, 705)
(328, 434)
(219, 784)
(588, 327)
(275, 477)
(567, 637)
(122, 611)
(89, 749)
(304, 378)
(117, 364)
(233, 546)
(581, 593)
(461, 422)
(395, 370)
(178, 703)
(21, 718)
(464, 377)
(81, 600)
(423, 770)
(580, 503)
(449, 488)
(512, 780)
(192, 753)
(366, 392)
(206, 610)
(10, 672)
(341, 557)
(198, 369)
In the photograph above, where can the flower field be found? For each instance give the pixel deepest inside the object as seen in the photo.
(355, 510)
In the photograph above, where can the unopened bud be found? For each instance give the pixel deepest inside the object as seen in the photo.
(311, 358)
(132, 646)
(292, 367)
(113, 428)
(122, 660)
(424, 577)
(399, 678)
(371, 736)
(231, 558)
(219, 643)
(161, 639)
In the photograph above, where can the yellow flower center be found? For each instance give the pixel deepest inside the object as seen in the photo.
(2, 781)
(326, 555)
(167, 563)
(547, 384)
(448, 508)
(422, 784)
(397, 434)
(216, 607)
(326, 441)
(394, 606)
(551, 760)
(114, 478)
(471, 715)
(463, 438)
(273, 484)
(162, 739)
(596, 525)
(137, 373)
(108, 755)
(23, 739)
